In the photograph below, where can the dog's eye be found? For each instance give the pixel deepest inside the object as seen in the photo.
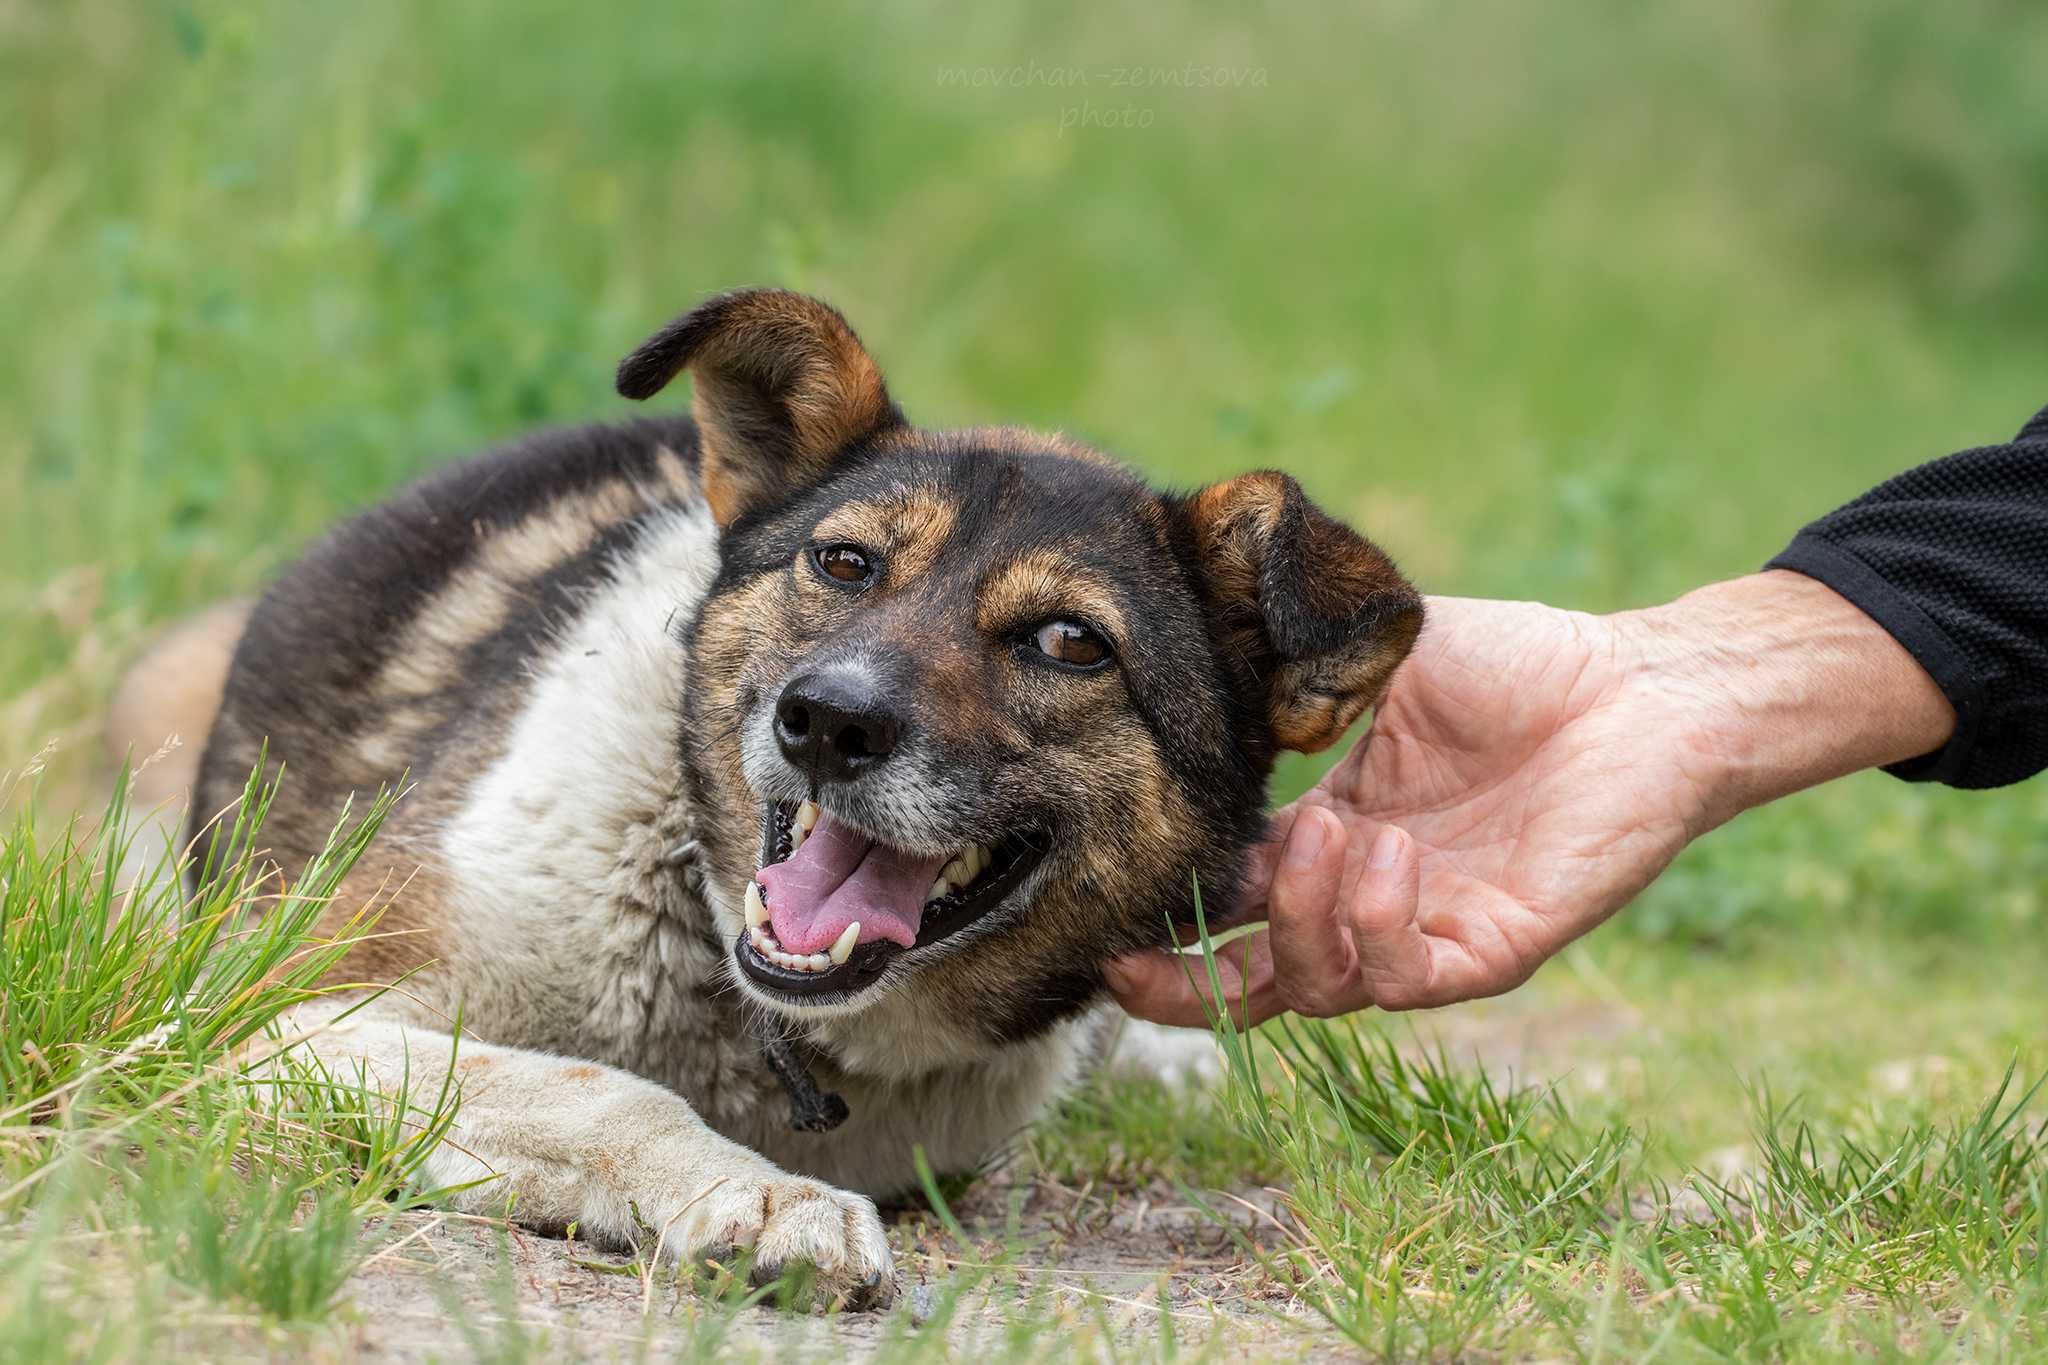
(1071, 643)
(843, 564)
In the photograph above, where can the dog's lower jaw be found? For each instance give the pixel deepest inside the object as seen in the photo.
(811, 1110)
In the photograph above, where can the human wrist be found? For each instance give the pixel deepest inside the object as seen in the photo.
(1775, 682)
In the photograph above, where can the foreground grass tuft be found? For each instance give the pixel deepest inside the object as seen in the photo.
(164, 1165)
(1437, 1214)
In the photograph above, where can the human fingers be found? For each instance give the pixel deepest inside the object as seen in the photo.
(1402, 966)
(1382, 896)
(1315, 968)
(1166, 987)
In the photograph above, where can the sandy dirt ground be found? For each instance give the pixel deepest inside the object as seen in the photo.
(1109, 1260)
(451, 1288)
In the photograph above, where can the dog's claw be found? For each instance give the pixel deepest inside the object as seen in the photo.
(870, 1294)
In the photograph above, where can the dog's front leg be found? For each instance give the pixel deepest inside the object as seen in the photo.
(556, 1142)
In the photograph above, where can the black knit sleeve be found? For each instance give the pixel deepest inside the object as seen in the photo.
(1952, 559)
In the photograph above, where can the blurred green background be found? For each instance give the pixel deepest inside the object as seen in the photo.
(1586, 303)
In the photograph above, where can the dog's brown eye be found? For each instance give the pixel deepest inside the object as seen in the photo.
(844, 563)
(1072, 644)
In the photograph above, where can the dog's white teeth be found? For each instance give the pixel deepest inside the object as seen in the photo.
(969, 863)
(765, 945)
(762, 936)
(796, 839)
(806, 816)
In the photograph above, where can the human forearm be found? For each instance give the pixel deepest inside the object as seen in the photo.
(1780, 683)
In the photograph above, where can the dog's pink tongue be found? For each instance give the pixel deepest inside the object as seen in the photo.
(840, 876)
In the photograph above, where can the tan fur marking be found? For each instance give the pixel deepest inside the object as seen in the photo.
(910, 531)
(1313, 700)
(1311, 724)
(482, 595)
(174, 692)
(1232, 520)
(1042, 586)
(676, 479)
(728, 642)
(405, 901)
(864, 523)
(160, 720)
(996, 440)
(1142, 830)
(803, 356)
(388, 750)
(1307, 717)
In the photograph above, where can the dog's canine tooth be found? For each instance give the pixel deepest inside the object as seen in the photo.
(796, 838)
(757, 909)
(806, 816)
(958, 872)
(939, 888)
(843, 948)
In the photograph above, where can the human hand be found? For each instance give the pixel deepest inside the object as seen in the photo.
(1529, 771)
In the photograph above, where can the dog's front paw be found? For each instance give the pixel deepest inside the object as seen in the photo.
(789, 1221)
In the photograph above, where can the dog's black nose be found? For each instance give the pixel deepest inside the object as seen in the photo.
(832, 726)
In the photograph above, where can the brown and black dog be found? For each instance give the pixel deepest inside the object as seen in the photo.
(782, 752)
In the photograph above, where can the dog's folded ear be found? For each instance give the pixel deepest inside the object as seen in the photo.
(1316, 614)
(782, 386)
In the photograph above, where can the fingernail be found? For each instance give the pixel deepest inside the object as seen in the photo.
(1307, 840)
(1386, 848)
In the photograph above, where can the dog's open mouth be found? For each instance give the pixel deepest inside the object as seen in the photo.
(831, 907)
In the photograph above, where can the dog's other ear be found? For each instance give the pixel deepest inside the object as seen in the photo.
(1319, 614)
(782, 386)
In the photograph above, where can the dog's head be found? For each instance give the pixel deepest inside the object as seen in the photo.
(977, 709)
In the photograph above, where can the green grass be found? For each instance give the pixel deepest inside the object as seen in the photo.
(164, 1170)
(1438, 1209)
(1588, 304)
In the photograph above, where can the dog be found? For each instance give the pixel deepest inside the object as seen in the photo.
(776, 778)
